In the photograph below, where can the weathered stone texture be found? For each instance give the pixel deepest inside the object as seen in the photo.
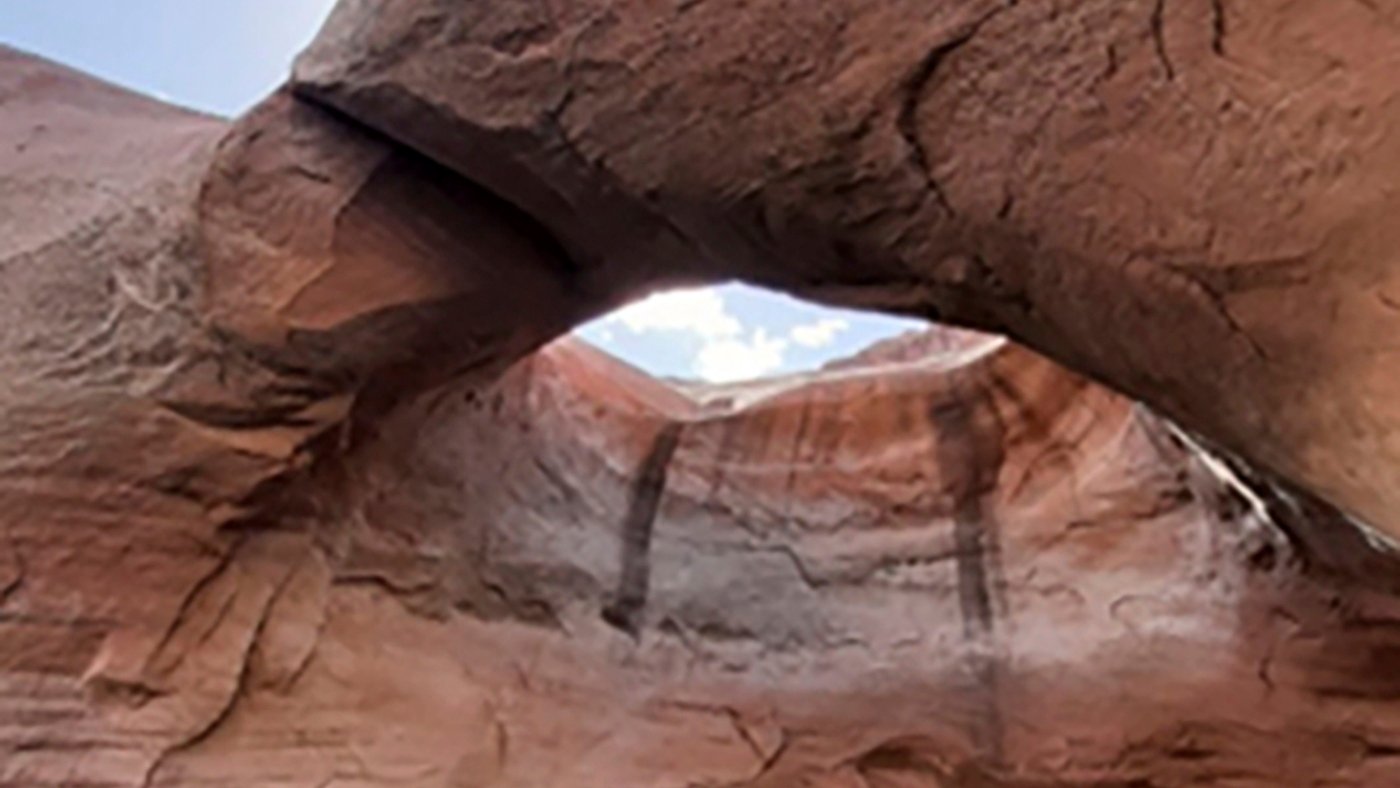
(290, 495)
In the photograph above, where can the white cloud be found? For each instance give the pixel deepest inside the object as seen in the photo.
(820, 333)
(728, 349)
(727, 359)
(702, 311)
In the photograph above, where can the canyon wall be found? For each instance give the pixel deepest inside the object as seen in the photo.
(964, 568)
(290, 495)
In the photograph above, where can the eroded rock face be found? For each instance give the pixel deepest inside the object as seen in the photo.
(1190, 200)
(973, 569)
(279, 505)
(190, 313)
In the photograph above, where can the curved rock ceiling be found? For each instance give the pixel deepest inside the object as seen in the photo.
(290, 494)
(1190, 200)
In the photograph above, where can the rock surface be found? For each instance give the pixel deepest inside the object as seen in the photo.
(970, 570)
(286, 497)
(190, 313)
(1188, 200)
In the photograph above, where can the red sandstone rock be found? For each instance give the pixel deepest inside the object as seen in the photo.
(190, 313)
(968, 570)
(272, 510)
(1189, 200)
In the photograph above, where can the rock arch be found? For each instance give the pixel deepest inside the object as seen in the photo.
(225, 343)
(1210, 179)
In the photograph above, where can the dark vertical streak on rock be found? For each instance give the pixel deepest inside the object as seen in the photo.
(962, 456)
(1218, 27)
(12, 576)
(908, 121)
(625, 610)
(911, 93)
(970, 451)
(1159, 37)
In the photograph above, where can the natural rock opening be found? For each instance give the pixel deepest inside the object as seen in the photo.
(735, 332)
(1025, 168)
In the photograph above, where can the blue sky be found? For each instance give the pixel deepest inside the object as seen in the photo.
(222, 56)
(219, 56)
(735, 332)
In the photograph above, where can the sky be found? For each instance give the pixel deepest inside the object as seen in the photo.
(735, 332)
(222, 56)
(219, 56)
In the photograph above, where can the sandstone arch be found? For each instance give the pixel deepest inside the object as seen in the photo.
(219, 340)
(1211, 179)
